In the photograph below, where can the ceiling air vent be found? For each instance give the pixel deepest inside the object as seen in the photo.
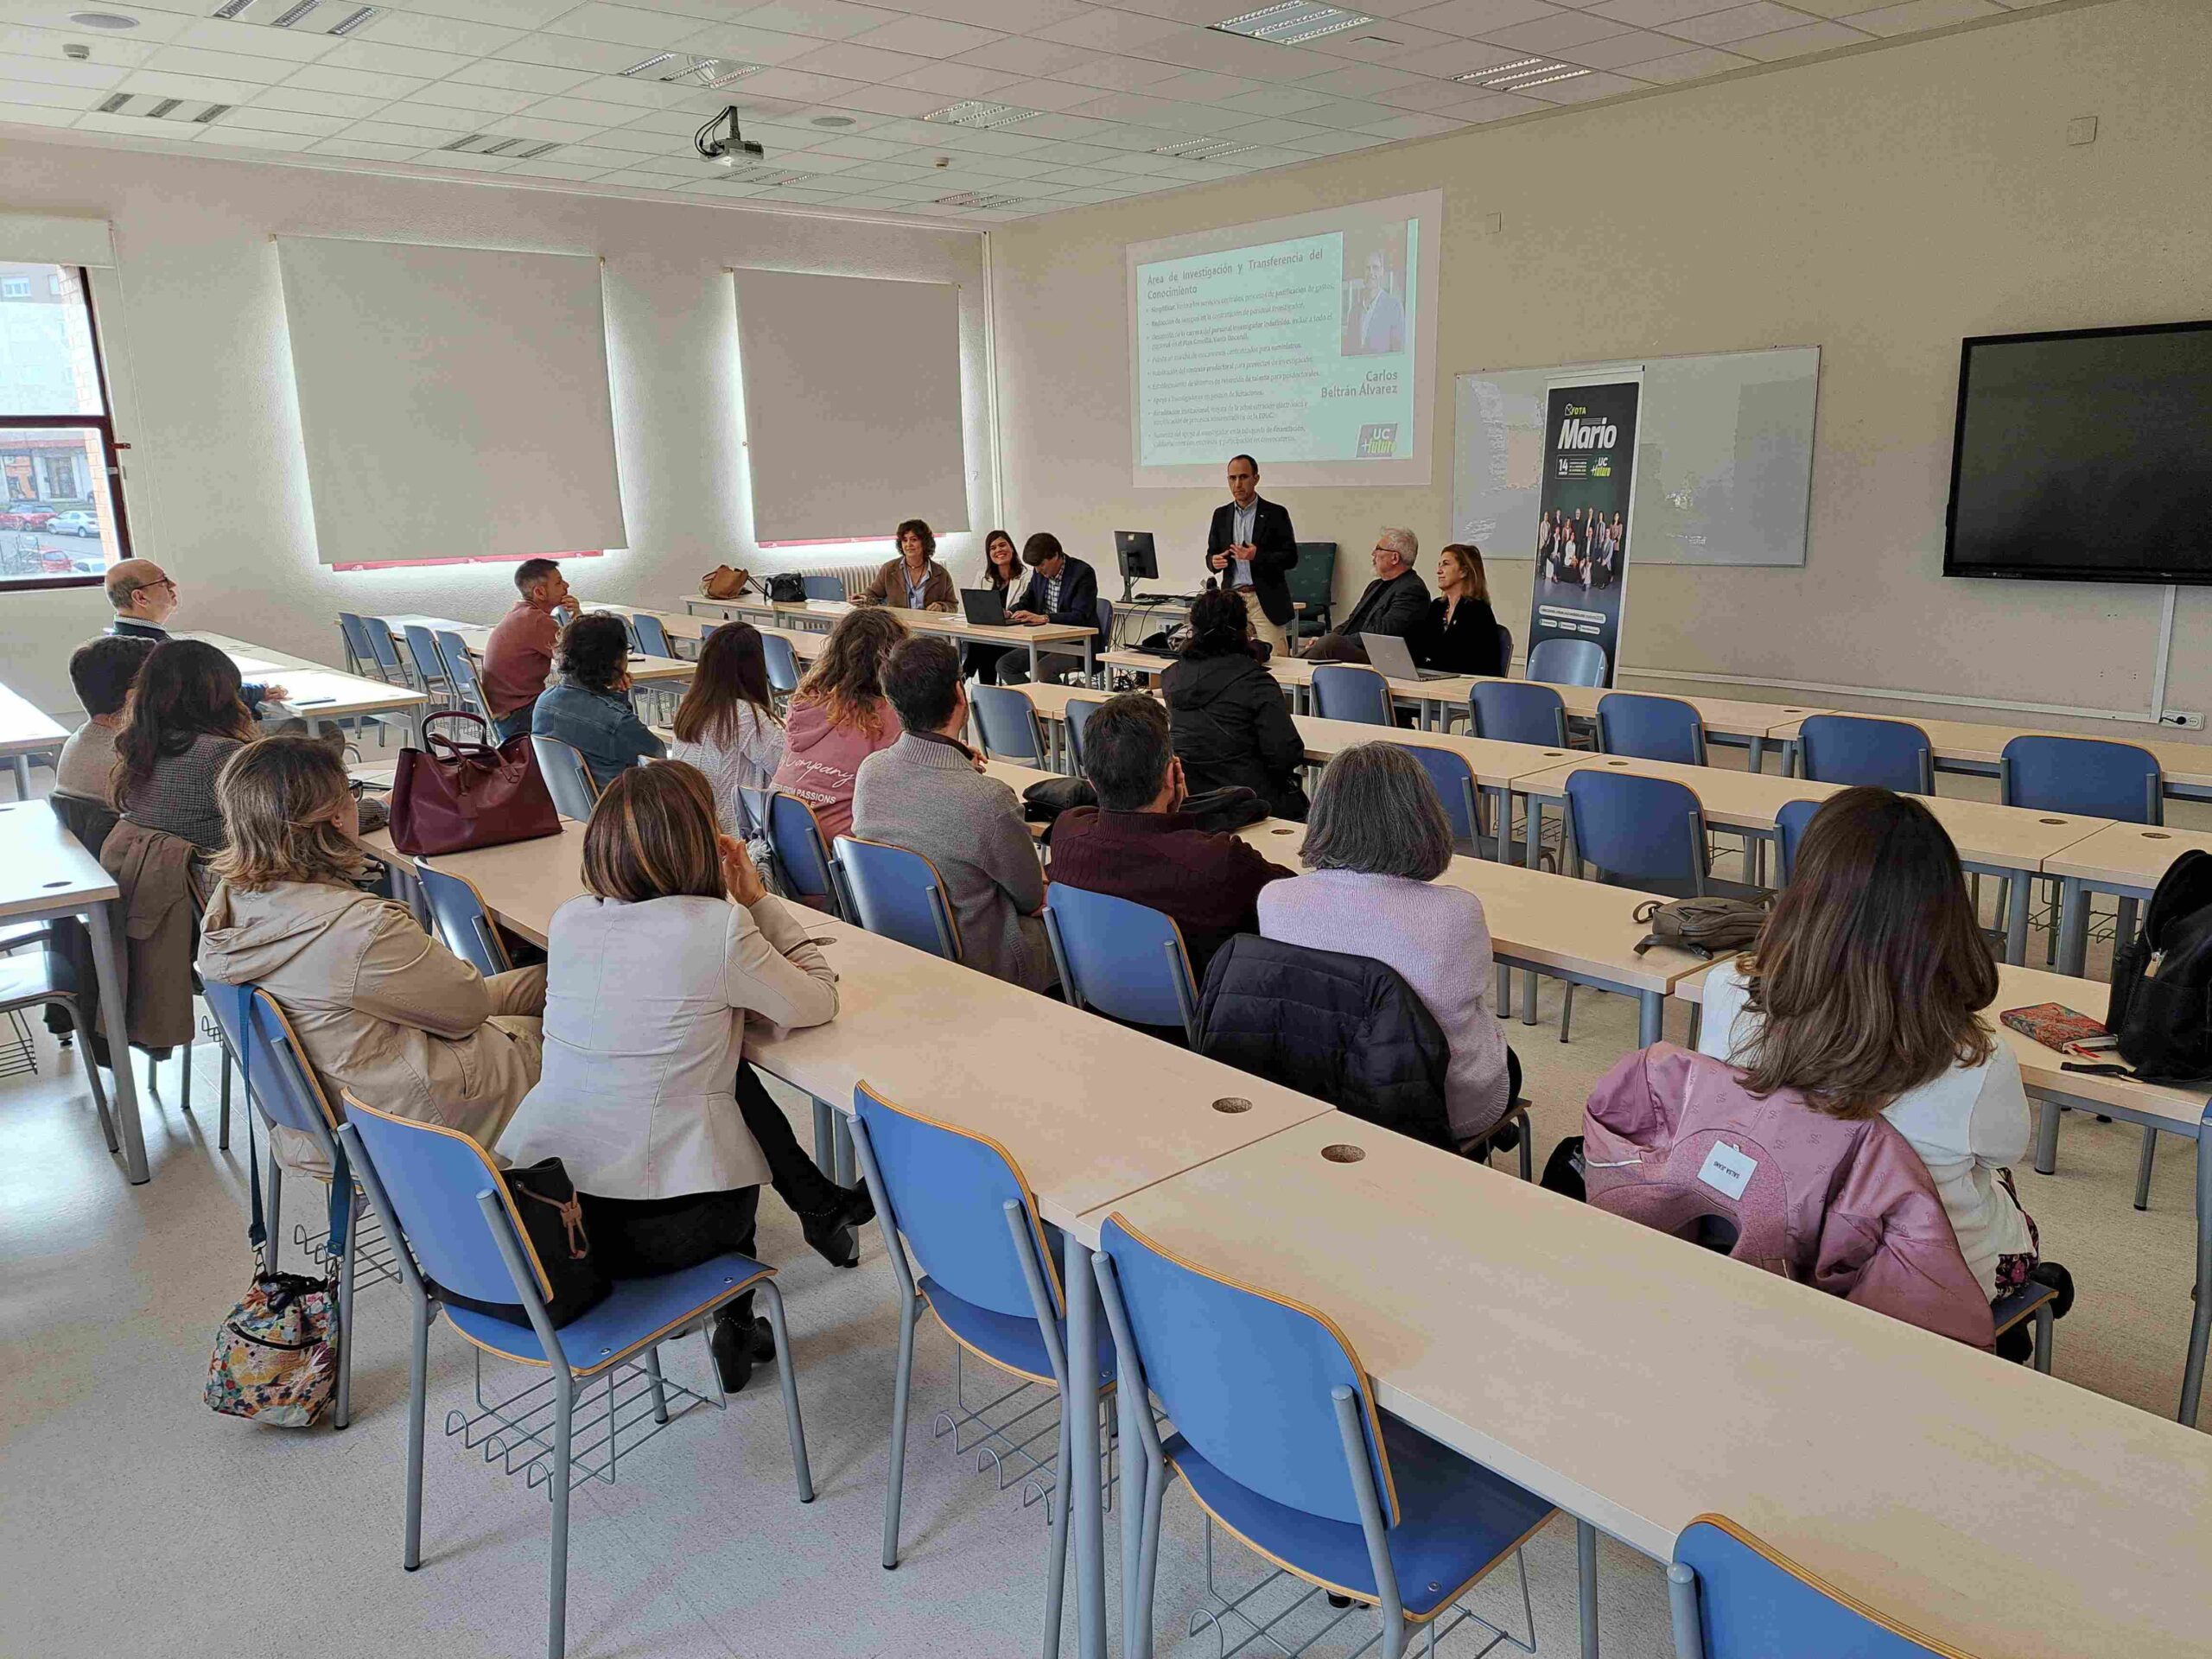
(681, 69)
(187, 111)
(971, 199)
(1292, 22)
(1205, 149)
(973, 113)
(1512, 77)
(304, 16)
(487, 144)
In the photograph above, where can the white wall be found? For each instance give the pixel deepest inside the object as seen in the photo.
(217, 484)
(1882, 205)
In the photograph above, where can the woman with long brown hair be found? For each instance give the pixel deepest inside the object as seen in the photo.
(1865, 994)
(186, 717)
(652, 973)
(1459, 633)
(1005, 575)
(727, 727)
(838, 716)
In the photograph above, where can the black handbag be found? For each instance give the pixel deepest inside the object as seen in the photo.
(787, 590)
(553, 1220)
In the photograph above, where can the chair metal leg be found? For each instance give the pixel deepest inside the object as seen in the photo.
(341, 1411)
(803, 1475)
(901, 1384)
(418, 1366)
(276, 1204)
(1527, 1150)
(655, 1384)
(184, 1065)
(83, 1030)
(841, 1141)
(222, 1130)
(2143, 1169)
(564, 1423)
(1566, 1011)
(1056, 1565)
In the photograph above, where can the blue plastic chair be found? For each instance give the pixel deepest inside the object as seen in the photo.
(823, 587)
(782, 663)
(423, 654)
(1079, 711)
(1279, 1439)
(1517, 711)
(1734, 1598)
(898, 893)
(1007, 722)
(1105, 622)
(987, 1270)
(360, 655)
(386, 649)
(440, 1195)
(1790, 822)
(652, 639)
(282, 1087)
(1893, 754)
(568, 776)
(1352, 692)
(462, 919)
(1650, 728)
(1504, 649)
(629, 630)
(460, 673)
(1455, 786)
(1122, 959)
(803, 852)
(1567, 662)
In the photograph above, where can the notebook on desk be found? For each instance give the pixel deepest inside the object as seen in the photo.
(1390, 654)
(986, 606)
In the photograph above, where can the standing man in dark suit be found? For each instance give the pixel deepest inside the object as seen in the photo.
(1250, 545)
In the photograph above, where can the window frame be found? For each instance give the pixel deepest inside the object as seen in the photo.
(104, 423)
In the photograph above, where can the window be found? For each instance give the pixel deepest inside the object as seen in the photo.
(61, 520)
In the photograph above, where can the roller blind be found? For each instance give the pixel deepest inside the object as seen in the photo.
(852, 404)
(39, 239)
(453, 402)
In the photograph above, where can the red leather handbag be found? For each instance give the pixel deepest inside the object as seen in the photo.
(464, 793)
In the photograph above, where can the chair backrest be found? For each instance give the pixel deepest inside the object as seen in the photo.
(1504, 649)
(782, 663)
(385, 648)
(279, 1079)
(629, 629)
(1791, 822)
(1633, 827)
(1006, 721)
(431, 1176)
(361, 656)
(88, 821)
(1314, 578)
(1455, 787)
(1518, 711)
(949, 1190)
(1079, 711)
(1651, 729)
(1854, 749)
(1352, 692)
(1247, 1378)
(461, 670)
(457, 912)
(1567, 662)
(422, 652)
(568, 779)
(1753, 1603)
(652, 639)
(1125, 960)
(2092, 776)
(897, 892)
(795, 835)
(1105, 617)
(823, 587)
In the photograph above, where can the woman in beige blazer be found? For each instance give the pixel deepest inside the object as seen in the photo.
(914, 580)
(645, 1096)
(381, 1008)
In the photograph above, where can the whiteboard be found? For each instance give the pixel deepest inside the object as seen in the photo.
(1723, 456)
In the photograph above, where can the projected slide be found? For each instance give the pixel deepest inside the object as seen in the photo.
(1304, 341)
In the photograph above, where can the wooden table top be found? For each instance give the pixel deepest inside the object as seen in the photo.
(1640, 1381)
(24, 727)
(1494, 764)
(43, 865)
(317, 691)
(2126, 855)
(681, 625)
(2013, 837)
(947, 622)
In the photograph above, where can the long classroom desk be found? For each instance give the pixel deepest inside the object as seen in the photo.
(1974, 749)
(319, 691)
(2125, 859)
(25, 730)
(2012, 842)
(477, 636)
(1639, 1382)
(2185, 1112)
(824, 613)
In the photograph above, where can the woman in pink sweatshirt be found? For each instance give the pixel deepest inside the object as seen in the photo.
(839, 716)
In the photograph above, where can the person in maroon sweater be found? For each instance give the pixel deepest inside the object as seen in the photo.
(1138, 844)
(518, 657)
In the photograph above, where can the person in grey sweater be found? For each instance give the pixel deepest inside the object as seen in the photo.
(927, 793)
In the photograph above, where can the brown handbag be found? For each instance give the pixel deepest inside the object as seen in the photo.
(464, 793)
(725, 583)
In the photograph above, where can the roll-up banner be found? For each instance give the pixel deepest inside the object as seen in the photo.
(1585, 515)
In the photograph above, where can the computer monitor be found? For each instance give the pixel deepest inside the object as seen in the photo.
(1138, 557)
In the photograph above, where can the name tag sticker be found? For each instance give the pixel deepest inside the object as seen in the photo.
(1727, 1169)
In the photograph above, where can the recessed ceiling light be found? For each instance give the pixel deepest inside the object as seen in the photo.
(102, 20)
(285, 20)
(1547, 81)
(832, 120)
(148, 106)
(1205, 149)
(681, 69)
(973, 113)
(1519, 73)
(972, 199)
(1292, 21)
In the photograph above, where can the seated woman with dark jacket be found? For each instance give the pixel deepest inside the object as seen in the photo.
(588, 705)
(1226, 712)
(1460, 632)
(186, 716)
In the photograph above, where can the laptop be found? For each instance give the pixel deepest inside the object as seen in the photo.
(986, 606)
(1390, 654)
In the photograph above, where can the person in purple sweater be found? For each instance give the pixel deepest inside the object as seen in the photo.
(1376, 842)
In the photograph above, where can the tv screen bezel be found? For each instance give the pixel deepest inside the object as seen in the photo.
(2046, 572)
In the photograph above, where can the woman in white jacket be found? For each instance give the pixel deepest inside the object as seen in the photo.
(645, 1095)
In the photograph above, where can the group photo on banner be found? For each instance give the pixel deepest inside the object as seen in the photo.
(1584, 516)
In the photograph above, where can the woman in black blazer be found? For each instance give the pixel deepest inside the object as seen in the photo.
(1460, 633)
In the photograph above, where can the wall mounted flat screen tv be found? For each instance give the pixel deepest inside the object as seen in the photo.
(2084, 456)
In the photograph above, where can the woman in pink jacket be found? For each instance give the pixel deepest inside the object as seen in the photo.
(839, 716)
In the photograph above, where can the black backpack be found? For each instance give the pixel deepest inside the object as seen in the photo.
(2161, 1006)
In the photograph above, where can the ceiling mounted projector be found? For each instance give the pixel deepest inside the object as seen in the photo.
(730, 148)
